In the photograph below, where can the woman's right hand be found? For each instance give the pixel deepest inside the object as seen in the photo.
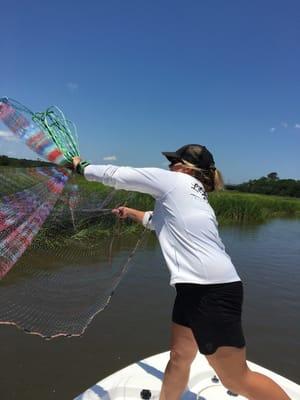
(126, 212)
(121, 212)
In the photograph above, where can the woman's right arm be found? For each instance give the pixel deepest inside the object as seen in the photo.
(143, 217)
(126, 212)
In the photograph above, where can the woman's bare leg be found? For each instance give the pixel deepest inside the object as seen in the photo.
(231, 367)
(183, 351)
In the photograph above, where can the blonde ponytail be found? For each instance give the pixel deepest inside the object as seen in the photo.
(218, 180)
(211, 179)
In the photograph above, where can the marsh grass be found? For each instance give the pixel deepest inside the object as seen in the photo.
(235, 207)
(231, 207)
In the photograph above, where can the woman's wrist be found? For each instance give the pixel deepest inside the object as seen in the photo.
(137, 215)
(81, 166)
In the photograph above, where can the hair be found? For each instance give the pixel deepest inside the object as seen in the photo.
(211, 179)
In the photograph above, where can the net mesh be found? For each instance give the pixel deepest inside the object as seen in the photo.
(62, 252)
(76, 257)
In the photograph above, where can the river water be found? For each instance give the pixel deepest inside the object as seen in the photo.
(136, 323)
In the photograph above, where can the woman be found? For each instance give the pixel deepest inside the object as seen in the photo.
(207, 309)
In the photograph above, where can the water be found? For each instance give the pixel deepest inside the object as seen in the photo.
(136, 324)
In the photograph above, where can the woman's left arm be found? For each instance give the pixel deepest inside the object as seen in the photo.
(154, 181)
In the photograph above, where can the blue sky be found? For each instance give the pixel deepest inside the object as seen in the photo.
(141, 77)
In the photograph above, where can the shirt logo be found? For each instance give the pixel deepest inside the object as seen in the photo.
(199, 190)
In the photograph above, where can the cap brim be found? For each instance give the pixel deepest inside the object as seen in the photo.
(170, 155)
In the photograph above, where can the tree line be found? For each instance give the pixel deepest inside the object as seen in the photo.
(21, 162)
(270, 184)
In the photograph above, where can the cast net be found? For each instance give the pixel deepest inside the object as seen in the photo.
(62, 252)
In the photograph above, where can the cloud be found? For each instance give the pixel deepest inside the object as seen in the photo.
(110, 158)
(284, 124)
(272, 130)
(297, 126)
(72, 86)
(8, 136)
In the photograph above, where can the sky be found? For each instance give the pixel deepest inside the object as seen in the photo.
(139, 77)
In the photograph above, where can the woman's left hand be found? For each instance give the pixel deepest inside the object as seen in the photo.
(76, 160)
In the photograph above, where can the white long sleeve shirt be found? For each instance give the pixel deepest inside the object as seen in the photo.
(183, 220)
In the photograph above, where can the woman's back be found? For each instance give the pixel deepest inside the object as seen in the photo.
(187, 230)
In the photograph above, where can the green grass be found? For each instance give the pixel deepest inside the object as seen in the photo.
(230, 207)
(236, 207)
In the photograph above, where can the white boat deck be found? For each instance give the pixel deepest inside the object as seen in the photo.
(144, 378)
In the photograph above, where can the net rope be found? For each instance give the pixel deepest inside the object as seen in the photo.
(47, 133)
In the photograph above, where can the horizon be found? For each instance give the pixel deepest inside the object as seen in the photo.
(139, 78)
(233, 184)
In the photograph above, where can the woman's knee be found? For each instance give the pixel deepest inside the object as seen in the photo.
(182, 356)
(183, 345)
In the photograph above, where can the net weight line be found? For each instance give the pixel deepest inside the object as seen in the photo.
(118, 278)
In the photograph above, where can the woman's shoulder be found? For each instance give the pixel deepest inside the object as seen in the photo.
(156, 172)
(190, 179)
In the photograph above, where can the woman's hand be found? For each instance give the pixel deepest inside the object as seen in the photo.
(76, 160)
(121, 212)
(126, 212)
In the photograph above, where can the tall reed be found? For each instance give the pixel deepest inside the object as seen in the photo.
(234, 207)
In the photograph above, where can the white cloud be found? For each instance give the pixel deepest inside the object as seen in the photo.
(110, 158)
(12, 146)
(284, 124)
(272, 130)
(72, 86)
(8, 136)
(297, 126)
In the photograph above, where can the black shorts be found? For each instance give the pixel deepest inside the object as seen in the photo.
(213, 312)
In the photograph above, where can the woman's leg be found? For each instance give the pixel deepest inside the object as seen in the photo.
(231, 367)
(183, 351)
